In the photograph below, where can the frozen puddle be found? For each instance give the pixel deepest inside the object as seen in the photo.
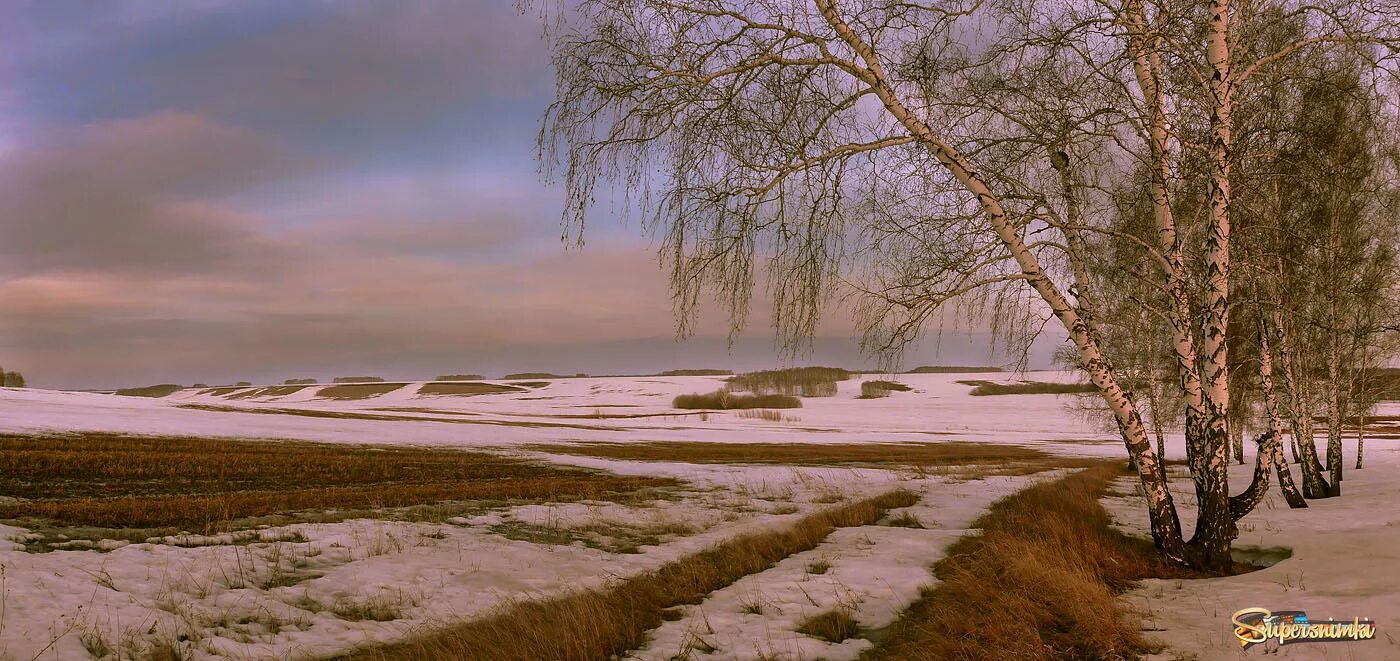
(871, 572)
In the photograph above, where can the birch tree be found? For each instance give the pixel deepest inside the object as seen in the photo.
(934, 154)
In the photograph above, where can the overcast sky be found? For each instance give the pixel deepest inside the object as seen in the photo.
(211, 191)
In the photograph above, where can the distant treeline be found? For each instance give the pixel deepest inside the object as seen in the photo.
(460, 377)
(300, 382)
(947, 369)
(801, 381)
(696, 373)
(11, 379)
(358, 379)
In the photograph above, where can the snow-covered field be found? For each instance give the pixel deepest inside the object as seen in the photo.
(302, 590)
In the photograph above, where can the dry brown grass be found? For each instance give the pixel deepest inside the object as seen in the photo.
(270, 391)
(1038, 583)
(358, 415)
(723, 400)
(466, 389)
(877, 388)
(974, 459)
(951, 369)
(832, 626)
(983, 388)
(114, 481)
(357, 390)
(768, 415)
(220, 391)
(162, 390)
(598, 624)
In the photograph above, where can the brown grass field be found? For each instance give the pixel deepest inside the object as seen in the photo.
(357, 390)
(984, 388)
(161, 390)
(460, 419)
(116, 481)
(601, 624)
(1038, 583)
(978, 458)
(272, 391)
(466, 389)
(723, 400)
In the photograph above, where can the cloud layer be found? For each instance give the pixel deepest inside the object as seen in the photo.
(214, 191)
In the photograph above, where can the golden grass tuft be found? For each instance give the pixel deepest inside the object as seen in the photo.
(1039, 582)
(598, 624)
(767, 415)
(832, 626)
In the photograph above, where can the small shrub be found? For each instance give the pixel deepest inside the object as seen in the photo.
(819, 567)
(877, 389)
(769, 415)
(724, 400)
(832, 626)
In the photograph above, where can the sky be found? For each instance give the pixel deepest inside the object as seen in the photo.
(214, 191)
